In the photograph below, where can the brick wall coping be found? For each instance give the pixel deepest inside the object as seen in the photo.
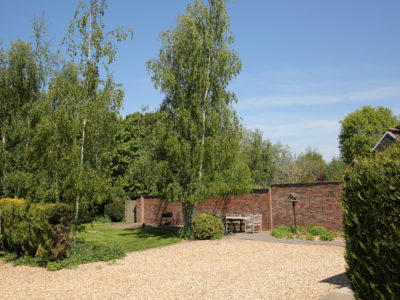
(306, 184)
(264, 191)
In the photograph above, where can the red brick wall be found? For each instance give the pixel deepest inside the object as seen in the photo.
(318, 204)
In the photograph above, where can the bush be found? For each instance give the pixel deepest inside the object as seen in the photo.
(84, 252)
(35, 230)
(115, 210)
(371, 204)
(207, 226)
(283, 231)
(102, 219)
(309, 237)
(327, 236)
(81, 253)
(317, 230)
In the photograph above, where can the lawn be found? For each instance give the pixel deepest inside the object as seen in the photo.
(128, 240)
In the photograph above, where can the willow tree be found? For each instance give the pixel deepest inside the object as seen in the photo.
(201, 133)
(100, 97)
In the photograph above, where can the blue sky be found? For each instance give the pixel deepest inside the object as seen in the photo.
(306, 63)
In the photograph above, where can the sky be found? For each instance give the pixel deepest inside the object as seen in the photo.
(306, 63)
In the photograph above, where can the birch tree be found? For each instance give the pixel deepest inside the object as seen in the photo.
(201, 133)
(100, 98)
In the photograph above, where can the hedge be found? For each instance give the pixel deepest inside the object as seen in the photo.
(371, 204)
(37, 230)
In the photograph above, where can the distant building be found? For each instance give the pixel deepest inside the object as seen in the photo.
(391, 136)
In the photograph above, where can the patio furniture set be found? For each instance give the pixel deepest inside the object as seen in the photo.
(244, 222)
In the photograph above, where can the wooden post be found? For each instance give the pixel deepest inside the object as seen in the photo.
(142, 209)
(270, 206)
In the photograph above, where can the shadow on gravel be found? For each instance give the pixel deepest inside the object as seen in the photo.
(340, 280)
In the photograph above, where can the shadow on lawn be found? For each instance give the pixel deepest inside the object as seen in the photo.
(340, 280)
(159, 233)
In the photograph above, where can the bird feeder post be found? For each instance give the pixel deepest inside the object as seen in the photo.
(293, 199)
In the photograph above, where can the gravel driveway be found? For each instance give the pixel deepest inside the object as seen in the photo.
(229, 268)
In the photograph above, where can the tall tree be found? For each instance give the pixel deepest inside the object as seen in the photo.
(201, 135)
(100, 98)
(261, 157)
(19, 90)
(362, 128)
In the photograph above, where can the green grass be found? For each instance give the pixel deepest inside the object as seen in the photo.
(128, 240)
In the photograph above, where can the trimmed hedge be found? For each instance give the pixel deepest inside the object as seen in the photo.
(36, 230)
(207, 226)
(371, 204)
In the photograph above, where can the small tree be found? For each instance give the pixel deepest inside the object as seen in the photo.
(201, 134)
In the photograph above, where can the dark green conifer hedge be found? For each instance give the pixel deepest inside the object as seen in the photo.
(371, 203)
(36, 230)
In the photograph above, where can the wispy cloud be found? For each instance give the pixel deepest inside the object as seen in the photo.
(378, 94)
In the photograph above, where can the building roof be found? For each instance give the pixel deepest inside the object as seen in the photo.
(391, 135)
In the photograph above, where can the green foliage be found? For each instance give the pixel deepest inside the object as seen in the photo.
(102, 219)
(335, 169)
(317, 230)
(371, 204)
(207, 226)
(83, 253)
(133, 164)
(115, 211)
(261, 157)
(327, 236)
(186, 233)
(309, 237)
(307, 232)
(101, 244)
(282, 231)
(199, 142)
(361, 130)
(36, 230)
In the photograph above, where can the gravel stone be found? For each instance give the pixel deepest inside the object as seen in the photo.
(228, 268)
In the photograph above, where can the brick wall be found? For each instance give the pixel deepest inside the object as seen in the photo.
(318, 204)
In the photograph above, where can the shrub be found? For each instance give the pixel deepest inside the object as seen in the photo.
(207, 226)
(115, 211)
(327, 236)
(84, 252)
(317, 230)
(102, 219)
(371, 204)
(35, 230)
(309, 237)
(81, 253)
(283, 231)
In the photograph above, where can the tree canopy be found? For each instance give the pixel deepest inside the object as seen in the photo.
(202, 132)
(361, 130)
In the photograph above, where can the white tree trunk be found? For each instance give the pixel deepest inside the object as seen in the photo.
(78, 196)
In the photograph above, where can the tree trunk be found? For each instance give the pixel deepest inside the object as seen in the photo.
(203, 134)
(3, 141)
(78, 196)
(188, 210)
